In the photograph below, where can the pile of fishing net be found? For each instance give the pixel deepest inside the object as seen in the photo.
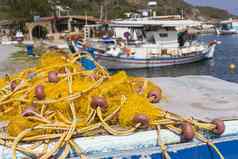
(60, 100)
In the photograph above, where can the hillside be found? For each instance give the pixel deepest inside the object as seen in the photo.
(116, 8)
(166, 7)
(26, 9)
(214, 13)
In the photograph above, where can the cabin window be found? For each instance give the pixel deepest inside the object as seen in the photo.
(170, 29)
(227, 26)
(151, 39)
(163, 35)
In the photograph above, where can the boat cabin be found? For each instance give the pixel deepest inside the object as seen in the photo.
(163, 34)
(142, 37)
(230, 25)
(141, 34)
(97, 31)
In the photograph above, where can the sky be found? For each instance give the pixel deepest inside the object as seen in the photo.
(230, 5)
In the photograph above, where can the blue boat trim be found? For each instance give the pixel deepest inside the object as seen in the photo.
(194, 150)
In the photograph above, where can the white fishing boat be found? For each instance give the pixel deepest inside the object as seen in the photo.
(228, 27)
(145, 43)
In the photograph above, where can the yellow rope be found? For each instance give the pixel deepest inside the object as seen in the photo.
(199, 137)
(66, 152)
(55, 148)
(72, 108)
(77, 149)
(161, 144)
(113, 131)
(18, 138)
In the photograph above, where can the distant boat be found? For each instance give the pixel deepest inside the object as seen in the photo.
(147, 43)
(228, 27)
(218, 32)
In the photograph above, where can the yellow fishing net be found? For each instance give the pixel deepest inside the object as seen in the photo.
(58, 99)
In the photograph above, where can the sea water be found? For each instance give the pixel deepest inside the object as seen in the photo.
(225, 54)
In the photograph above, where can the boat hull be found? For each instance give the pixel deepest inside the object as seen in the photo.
(211, 51)
(182, 151)
(112, 62)
(228, 32)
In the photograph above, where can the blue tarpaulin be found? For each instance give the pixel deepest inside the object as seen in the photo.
(29, 49)
(87, 64)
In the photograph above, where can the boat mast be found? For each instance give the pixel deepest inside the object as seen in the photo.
(101, 12)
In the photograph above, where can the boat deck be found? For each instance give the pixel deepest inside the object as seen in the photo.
(202, 97)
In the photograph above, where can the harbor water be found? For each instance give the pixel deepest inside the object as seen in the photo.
(226, 54)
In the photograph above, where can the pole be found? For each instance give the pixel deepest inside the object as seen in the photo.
(101, 12)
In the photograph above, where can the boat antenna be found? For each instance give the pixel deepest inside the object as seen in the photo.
(182, 13)
(86, 18)
(101, 12)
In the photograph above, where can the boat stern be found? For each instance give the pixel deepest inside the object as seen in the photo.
(211, 48)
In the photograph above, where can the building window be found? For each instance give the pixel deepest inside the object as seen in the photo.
(163, 35)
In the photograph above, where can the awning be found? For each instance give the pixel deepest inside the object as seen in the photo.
(163, 23)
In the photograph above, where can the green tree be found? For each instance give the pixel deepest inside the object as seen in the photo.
(26, 9)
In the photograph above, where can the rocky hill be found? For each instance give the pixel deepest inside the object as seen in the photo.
(107, 8)
(116, 8)
(166, 7)
(214, 13)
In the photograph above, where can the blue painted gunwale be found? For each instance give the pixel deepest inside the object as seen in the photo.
(195, 150)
